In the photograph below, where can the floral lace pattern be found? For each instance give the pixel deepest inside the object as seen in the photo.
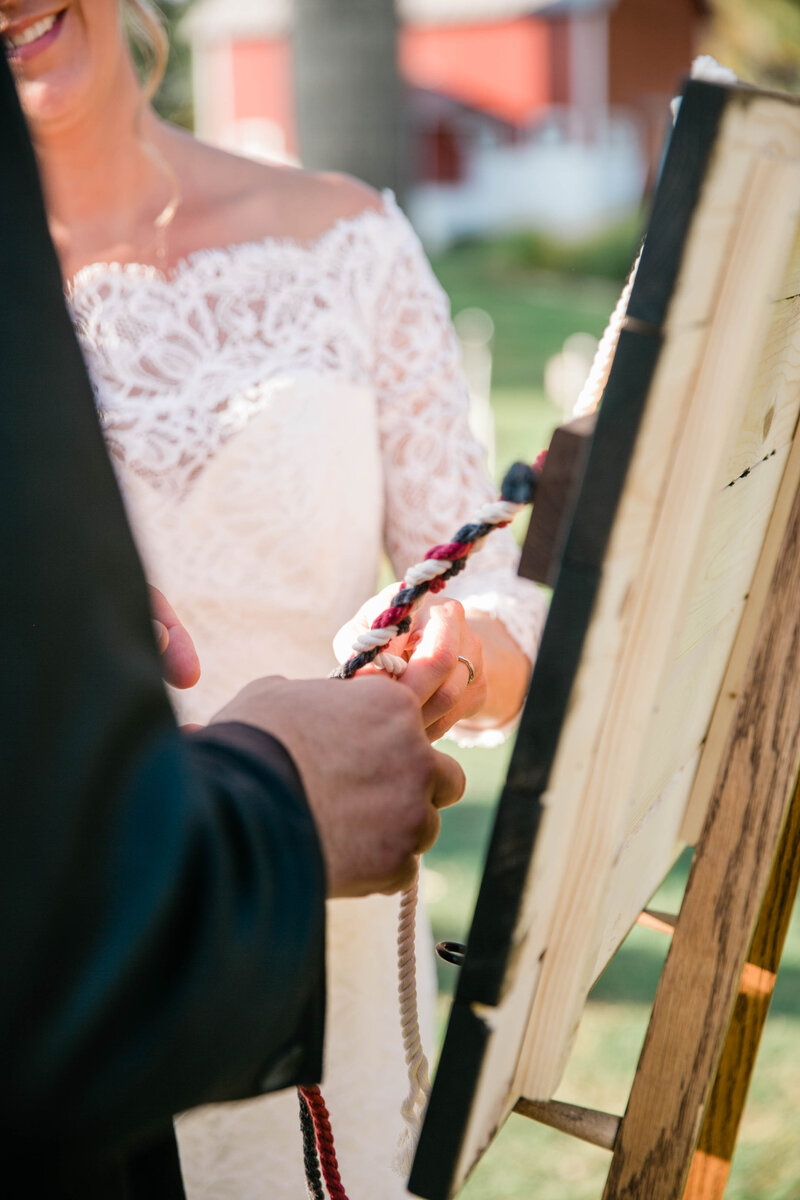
(183, 363)
(277, 412)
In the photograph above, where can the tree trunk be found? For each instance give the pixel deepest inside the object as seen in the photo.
(347, 89)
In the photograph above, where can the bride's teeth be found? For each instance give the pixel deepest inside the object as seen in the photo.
(33, 32)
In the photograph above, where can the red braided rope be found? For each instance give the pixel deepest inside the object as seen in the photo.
(324, 1135)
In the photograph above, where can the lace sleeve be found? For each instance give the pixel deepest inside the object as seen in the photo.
(435, 477)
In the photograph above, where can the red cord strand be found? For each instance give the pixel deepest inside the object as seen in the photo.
(325, 1148)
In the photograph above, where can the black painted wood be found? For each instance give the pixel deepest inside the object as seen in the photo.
(484, 975)
(460, 1062)
(556, 495)
(674, 202)
(490, 951)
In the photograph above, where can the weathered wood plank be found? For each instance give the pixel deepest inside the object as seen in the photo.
(655, 599)
(644, 859)
(771, 415)
(751, 122)
(727, 881)
(727, 700)
(654, 578)
(790, 285)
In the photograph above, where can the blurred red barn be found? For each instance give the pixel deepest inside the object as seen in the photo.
(481, 74)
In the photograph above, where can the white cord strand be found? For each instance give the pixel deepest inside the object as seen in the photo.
(371, 638)
(592, 391)
(704, 68)
(429, 569)
(419, 1086)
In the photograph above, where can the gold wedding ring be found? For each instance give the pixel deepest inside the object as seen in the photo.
(469, 667)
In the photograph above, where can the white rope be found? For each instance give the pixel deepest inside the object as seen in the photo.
(708, 70)
(391, 663)
(592, 390)
(419, 1086)
(429, 569)
(371, 638)
(498, 512)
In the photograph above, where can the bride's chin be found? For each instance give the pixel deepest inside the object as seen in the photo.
(53, 102)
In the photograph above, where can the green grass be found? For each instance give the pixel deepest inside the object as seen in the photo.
(532, 316)
(607, 254)
(533, 311)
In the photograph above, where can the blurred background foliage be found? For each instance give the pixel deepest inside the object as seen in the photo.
(174, 100)
(758, 39)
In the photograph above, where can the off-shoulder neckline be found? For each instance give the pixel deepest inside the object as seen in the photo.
(231, 251)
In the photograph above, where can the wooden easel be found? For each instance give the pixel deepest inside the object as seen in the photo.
(709, 1011)
(665, 705)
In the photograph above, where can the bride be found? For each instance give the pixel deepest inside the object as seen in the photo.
(279, 386)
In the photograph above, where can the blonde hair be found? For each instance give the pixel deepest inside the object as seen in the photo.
(146, 30)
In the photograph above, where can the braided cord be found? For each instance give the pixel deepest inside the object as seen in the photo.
(419, 1085)
(323, 1133)
(592, 390)
(314, 1187)
(441, 563)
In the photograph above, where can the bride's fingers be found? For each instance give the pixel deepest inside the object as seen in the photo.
(462, 711)
(459, 697)
(448, 691)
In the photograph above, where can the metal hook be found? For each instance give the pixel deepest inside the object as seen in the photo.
(451, 952)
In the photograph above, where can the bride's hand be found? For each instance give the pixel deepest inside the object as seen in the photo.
(439, 641)
(180, 665)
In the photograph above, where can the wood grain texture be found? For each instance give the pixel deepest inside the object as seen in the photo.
(771, 414)
(661, 563)
(652, 829)
(716, 739)
(790, 285)
(729, 875)
(589, 1124)
(657, 593)
(525, 817)
(711, 1161)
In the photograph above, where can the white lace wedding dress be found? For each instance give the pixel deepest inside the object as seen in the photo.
(278, 413)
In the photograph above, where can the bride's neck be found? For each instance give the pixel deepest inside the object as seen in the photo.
(103, 182)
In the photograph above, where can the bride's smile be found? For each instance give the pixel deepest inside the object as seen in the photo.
(65, 57)
(25, 39)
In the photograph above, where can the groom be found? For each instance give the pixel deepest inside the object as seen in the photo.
(162, 896)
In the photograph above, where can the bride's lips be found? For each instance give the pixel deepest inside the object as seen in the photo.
(50, 26)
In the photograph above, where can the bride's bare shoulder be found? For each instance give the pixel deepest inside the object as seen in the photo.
(246, 200)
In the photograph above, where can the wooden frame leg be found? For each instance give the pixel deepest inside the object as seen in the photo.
(708, 1174)
(728, 881)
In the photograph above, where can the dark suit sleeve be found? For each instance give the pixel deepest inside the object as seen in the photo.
(161, 896)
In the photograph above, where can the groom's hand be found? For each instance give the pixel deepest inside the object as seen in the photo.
(180, 665)
(373, 782)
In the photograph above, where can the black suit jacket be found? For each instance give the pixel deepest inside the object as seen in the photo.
(162, 897)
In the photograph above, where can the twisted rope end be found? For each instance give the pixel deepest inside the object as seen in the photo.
(521, 481)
